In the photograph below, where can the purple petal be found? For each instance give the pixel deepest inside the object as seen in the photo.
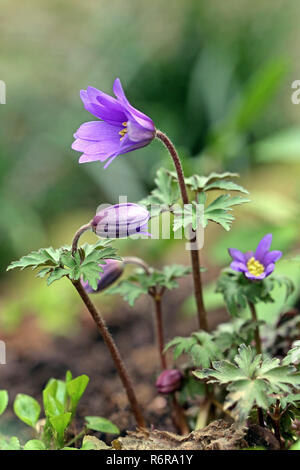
(85, 158)
(272, 257)
(255, 278)
(236, 255)
(108, 114)
(238, 266)
(263, 247)
(134, 114)
(269, 269)
(97, 130)
(119, 92)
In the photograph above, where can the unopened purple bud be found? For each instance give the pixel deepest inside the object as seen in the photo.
(169, 381)
(112, 270)
(121, 220)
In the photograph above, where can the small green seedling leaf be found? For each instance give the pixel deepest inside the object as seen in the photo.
(3, 401)
(60, 424)
(76, 388)
(101, 424)
(12, 444)
(34, 444)
(27, 409)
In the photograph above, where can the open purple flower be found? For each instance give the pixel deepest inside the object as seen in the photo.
(121, 221)
(258, 265)
(122, 129)
(112, 270)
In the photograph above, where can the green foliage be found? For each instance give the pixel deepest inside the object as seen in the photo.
(230, 335)
(27, 409)
(164, 195)
(293, 355)
(101, 424)
(201, 346)
(214, 181)
(218, 210)
(237, 290)
(3, 401)
(60, 400)
(34, 444)
(61, 262)
(251, 380)
(141, 282)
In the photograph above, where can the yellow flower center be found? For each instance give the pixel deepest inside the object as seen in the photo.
(123, 131)
(255, 267)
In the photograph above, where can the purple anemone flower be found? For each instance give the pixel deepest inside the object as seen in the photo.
(258, 265)
(121, 220)
(122, 127)
(112, 270)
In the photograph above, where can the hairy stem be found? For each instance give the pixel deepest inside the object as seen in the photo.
(115, 354)
(78, 234)
(159, 330)
(256, 332)
(195, 258)
(138, 262)
(179, 417)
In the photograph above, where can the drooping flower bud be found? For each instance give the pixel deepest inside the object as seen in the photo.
(121, 220)
(169, 381)
(112, 270)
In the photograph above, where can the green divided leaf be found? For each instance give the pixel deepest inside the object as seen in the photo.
(101, 424)
(140, 282)
(27, 409)
(251, 380)
(35, 259)
(164, 195)
(217, 211)
(55, 264)
(201, 346)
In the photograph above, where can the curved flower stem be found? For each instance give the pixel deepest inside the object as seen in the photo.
(78, 234)
(138, 262)
(159, 330)
(256, 333)
(195, 258)
(115, 354)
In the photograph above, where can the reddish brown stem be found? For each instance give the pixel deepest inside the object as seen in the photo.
(195, 258)
(256, 332)
(159, 330)
(78, 234)
(115, 354)
(179, 416)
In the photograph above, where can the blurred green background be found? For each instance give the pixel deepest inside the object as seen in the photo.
(216, 76)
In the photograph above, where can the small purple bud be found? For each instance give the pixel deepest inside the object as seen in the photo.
(169, 381)
(112, 270)
(121, 220)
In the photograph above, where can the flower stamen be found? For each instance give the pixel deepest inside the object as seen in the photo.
(123, 131)
(255, 267)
